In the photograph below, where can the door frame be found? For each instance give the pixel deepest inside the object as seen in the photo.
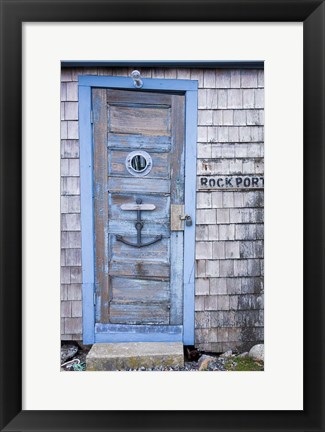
(190, 89)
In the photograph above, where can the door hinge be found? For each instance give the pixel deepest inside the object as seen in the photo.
(94, 299)
(91, 116)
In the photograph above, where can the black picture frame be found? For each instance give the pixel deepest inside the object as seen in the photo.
(13, 14)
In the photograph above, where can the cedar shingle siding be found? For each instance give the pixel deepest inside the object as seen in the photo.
(229, 232)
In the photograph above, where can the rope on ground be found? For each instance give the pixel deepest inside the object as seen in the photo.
(79, 367)
(71, 362)
(75, 364)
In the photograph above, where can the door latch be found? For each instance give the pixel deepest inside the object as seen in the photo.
(177, 218)
(187, 219)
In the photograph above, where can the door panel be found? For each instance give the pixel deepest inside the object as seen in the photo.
(139, 290)
(138, 185)
(138, 284)
(146, 313)
(158, 252)
(139, 119)
(162, 204)
(151, 270)
(128, 96)
(135, 142)
(151, 228)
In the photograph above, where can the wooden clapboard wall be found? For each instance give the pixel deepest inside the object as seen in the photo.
(229, 232)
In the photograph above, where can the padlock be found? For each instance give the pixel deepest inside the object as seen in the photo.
(188, 221)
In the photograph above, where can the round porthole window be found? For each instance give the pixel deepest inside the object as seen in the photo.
(138, 163)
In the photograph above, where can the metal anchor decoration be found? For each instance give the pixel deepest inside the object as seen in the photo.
(139, 224)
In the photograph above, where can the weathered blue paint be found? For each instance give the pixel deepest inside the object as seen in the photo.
(87, 216)
(127, 83)
(140, 333)
(190, 88)
(190, 206)
(137, 337)
(161, 144)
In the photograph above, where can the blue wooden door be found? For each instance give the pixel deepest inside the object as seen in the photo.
(138, 144)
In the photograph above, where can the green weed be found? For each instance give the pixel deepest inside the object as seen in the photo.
(239, 364)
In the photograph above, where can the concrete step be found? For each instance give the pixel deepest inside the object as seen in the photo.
(133, 355)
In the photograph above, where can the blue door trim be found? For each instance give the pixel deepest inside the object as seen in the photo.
(139, 333)
(87, 214)
(190, 88)
(127, 83)
(190, 207)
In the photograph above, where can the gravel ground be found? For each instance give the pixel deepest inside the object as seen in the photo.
(192, 366)
(219, 363)
(74, 366)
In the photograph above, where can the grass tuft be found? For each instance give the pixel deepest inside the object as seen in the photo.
(239, 364)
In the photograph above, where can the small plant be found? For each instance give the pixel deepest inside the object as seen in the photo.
(239, 364)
